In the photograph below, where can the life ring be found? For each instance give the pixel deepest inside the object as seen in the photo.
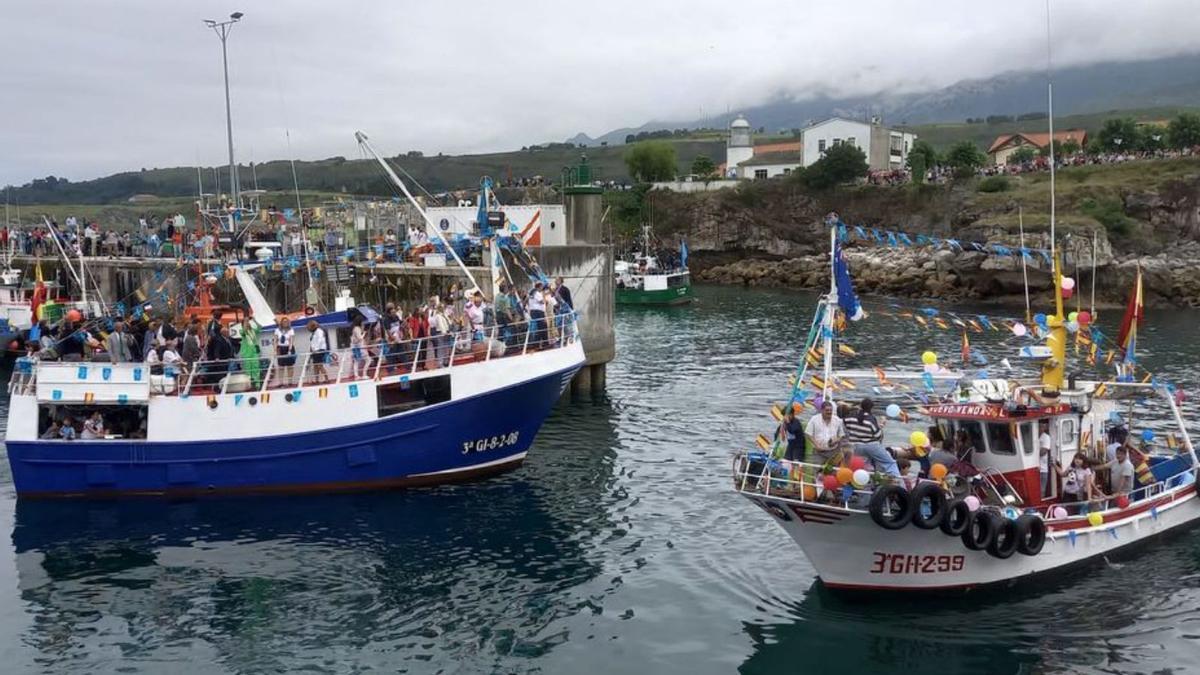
(1005, 543)
(957, 519)
(309, 310)
(981, 531)
(895, 501)
(1031, 534)
(937, 505)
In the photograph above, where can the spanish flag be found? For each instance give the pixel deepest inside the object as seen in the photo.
(966, 348)
(323, 392)
(847, 384)
(265, 398)
(941, 323)
(763, 442)
(777, 413)
(847, 350)
(1134, 315)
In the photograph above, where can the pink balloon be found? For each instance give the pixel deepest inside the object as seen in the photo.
(1019, 329)
(1084, 318)
(972, 502)
(1058, 512)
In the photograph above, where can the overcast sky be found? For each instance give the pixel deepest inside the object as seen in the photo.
(89, 88)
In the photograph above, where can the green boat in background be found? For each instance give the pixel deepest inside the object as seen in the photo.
(644, 281)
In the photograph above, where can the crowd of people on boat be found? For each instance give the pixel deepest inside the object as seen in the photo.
(832, 437)
(456, 322)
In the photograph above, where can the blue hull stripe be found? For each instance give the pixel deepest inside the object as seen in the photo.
(480, 433)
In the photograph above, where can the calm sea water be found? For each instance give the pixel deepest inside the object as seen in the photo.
(618, 548)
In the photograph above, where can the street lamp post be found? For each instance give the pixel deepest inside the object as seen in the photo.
(222, 29)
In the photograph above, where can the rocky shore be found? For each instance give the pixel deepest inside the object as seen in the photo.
(1170, 278)
(772, 234)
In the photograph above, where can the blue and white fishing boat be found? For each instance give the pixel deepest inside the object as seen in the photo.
(418, 415)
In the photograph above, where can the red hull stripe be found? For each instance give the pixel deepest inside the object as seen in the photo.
(1133, 510)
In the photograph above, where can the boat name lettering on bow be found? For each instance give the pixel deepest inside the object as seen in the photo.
(900, 563)
(491, 443)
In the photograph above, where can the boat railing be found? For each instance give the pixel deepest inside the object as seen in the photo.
(265, 372)
(801, 481)
(1175, 481)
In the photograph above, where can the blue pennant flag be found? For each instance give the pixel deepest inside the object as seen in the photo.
(846, 297)
(1072, 535)
(1045, 254)
(922, 240)
(891, 238)
(862, 234)
(984, 321)
(977, 246)
(904, 238)
(953, 244)
(1025, 253)
(683, 253)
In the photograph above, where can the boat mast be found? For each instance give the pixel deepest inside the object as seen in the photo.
(429, 224)
(831, 305)
(1024, 267)
(1054, 369)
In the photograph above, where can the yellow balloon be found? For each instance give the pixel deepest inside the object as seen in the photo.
(929, 358)
(1096, 519)
(937, 471)
(918, 439)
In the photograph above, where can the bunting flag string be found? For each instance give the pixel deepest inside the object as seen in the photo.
(899, 239)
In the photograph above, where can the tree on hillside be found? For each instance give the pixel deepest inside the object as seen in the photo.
(1184, 131)
(926, 151)
(1023, 154)
(1118, 134)
(965, 158)
(841, 164)
(704, 168)
(650, 161)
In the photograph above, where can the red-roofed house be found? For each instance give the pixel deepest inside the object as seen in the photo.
(1006, 144)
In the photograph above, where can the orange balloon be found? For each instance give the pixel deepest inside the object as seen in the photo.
(937, 471)
(810, 492)
(74, 315)
(844, 475)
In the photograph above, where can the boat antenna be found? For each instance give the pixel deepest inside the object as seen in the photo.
(365, 143)
(1024, 266)
(1092, 309)
(1050, 117)
(313, 296)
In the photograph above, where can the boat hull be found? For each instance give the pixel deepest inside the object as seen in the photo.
(680, 295)
(850, 552)
(452, 441)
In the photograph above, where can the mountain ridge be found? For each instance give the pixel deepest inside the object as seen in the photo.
(1117, 85)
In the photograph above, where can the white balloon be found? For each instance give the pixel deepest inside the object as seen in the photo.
(860, 478)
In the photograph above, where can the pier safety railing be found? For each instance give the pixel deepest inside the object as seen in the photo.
(370, 362)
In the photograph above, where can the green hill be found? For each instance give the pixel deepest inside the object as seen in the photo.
(338, 175)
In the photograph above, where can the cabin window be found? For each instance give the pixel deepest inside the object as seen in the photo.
(398, 397)
(677, 280)
(973, 430)
(117, 422)
(1000, 439)
(1068, 433)
(1029, 437)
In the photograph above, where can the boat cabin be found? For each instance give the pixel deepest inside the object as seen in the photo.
(1004, 438)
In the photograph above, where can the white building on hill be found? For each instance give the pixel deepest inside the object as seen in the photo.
(886, 149)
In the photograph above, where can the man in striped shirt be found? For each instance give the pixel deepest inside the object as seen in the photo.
(866, 437)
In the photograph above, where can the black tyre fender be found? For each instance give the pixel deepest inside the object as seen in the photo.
(937, 505)
(1031, 534)
(981, 530)
(1004, 545)
(958, 518)
(901, 505)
